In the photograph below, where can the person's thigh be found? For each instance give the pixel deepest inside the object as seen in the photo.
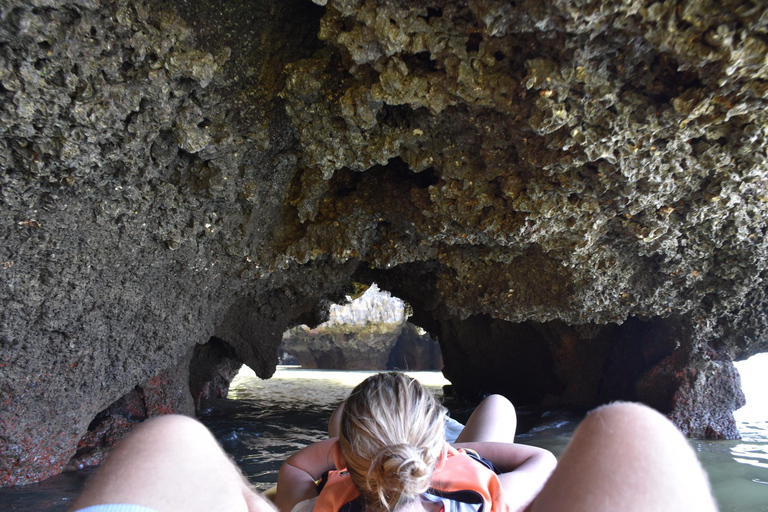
(170, 464)
(626, 457)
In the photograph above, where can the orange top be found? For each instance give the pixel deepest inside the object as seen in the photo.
(456, 472)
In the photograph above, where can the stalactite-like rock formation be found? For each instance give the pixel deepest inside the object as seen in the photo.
(570, 195)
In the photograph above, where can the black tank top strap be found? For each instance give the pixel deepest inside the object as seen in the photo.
(482, 460)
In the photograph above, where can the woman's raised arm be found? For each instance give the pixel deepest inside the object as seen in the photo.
(297, 476)
(524, 469)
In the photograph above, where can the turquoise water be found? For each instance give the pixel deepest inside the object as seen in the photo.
(266, 420)
(738, 470)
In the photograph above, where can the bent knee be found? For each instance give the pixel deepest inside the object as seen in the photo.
(499, 401)
(168, 428)
(177, 438)
(635, 410)
(621, 417)
(172, 421)
(548, 461)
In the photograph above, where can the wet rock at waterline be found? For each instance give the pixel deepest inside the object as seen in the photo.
(212, 368)
(571, 197)
(373, 347)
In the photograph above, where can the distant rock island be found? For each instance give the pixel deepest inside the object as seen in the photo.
(370, 332)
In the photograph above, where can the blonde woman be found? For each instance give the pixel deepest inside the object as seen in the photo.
(387, 453)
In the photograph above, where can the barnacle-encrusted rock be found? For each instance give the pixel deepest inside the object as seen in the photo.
(580, 164)
(134, 210)
(571, 195)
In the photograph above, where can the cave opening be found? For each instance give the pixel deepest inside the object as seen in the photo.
(754, 381)
(371, 331)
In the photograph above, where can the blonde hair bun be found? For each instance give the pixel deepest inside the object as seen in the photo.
(403, 468)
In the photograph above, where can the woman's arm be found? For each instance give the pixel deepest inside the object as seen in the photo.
(524, 469)
(297, 476)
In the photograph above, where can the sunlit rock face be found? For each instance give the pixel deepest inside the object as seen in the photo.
(370, 332)
(571, 196)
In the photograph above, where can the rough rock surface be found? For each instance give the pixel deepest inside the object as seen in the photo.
(364, 347)
(572, 187)
(141, 174)
(553, 170)
(415, 350)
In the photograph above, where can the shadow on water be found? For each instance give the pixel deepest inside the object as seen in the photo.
(52, 495)
(262, 422)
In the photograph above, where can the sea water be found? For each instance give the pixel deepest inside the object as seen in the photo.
(266, 420)
(738, 470)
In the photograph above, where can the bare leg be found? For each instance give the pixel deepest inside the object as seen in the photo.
(626, 457)
(173, 464)
(493, 420)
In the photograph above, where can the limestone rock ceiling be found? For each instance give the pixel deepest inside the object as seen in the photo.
(584, 166)
(570, 195)
(560, 168)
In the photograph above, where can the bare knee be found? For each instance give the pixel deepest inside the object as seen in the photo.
(629, 418)
(171, 432)
(498, 402)
(493, 420)
(640, 433)
(502, 409)
(627, 456)
(170, 425)
(625, 408)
